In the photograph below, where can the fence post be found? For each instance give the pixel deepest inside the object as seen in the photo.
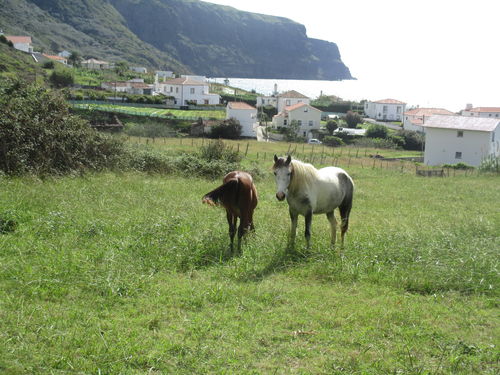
(246, 151)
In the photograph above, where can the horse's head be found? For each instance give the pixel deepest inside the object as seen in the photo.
(282, 169)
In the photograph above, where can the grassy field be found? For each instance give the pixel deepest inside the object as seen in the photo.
(128, 273)
(154, 112)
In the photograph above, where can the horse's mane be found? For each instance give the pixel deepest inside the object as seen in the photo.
(303, 174)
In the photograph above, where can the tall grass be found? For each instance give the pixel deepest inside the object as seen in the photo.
(130, 273)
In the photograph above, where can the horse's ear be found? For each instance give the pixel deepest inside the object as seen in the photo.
(275, 158)
(288, 160)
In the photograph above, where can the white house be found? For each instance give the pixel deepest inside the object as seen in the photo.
(134, 86)
(385, 110)
(186, 91)
(22, 43)
(59, 59)
(307, 117)
(285, 99)
(96, 64)
(245, 114)
(64, 53)
(486, 112)
(139, 69)
(414, 118)
(163, 74)
(455, 139)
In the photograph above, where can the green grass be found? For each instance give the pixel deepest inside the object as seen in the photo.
(129, 273)
(155, 112)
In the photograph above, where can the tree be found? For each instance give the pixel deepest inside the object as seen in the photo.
(228, 129)
(121, 67)
(75, 59)
(331, 126)
(376, 131)
(352, 119)
(61, 78)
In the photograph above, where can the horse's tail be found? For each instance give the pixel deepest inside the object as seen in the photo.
(217, 195)
(346, 205)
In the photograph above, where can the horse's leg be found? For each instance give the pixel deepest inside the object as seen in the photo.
(231, 220)
(242, 229)
(333, 226)
(308, 217)
(294, 216)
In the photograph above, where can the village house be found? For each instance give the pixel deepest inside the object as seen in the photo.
(163, 74)
(96, 64)
(285, 99)
(57, 58)
(307, 117)
(414, 118)
(455, 139)
(246, 116)
(486, 112)
(134, 86)
(22, 43)
(139, 69)
(64, 53)
(186, 91)
(385, 110)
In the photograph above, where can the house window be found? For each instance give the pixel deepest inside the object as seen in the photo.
(306, 109)
(384, 109)
(288, 102)
(191, 90)
(171, 88)
(284, 122)
(458, 155)
(176, 90)
(398, 109)
(299, 122)
(311, 122)
(460, 133)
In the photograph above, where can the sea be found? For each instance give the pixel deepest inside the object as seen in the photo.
(423, 95)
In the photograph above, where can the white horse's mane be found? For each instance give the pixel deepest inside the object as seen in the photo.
(303, 174)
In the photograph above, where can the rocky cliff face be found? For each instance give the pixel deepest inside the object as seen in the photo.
(181, 35)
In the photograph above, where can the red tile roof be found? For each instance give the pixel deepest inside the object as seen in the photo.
(428, 112)
(183, 81)
(389, 101)
(298, 105)
(484, 109)
(53, 57)
(18, 39)
(240, 105)
(292, 94)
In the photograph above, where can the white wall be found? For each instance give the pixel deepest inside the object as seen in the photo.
(441, 146)
(384, 111)
(247, 119)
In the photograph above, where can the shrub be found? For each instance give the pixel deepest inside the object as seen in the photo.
(331, 126)
(460, 165)
(414, 141)
(376, 131)
(352, 119)
(490, 164)
(375, 143)
(48, 65)
(39, 135)
(333, 141)
(217, 150)
(61, 78)
(229, 129)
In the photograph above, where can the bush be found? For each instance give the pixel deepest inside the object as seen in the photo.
(414, 141)
(333, 141)
(38, 134)
(490, 164)
(228, 129)
(352, 119)
(48, 65)
(61, 78)
(375, 143)
(217, 150)
(460, 165)
(376, 131)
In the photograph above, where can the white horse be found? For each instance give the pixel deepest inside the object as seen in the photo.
(311, 191)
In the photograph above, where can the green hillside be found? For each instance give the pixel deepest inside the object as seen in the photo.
(179, 35)
(17, 64)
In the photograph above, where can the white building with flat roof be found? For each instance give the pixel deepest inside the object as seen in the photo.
(246, 116)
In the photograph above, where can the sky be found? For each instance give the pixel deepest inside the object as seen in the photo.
(439, 53)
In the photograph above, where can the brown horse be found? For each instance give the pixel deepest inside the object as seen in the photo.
(238, 195)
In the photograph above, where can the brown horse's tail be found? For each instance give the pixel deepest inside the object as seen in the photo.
(222, 193)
